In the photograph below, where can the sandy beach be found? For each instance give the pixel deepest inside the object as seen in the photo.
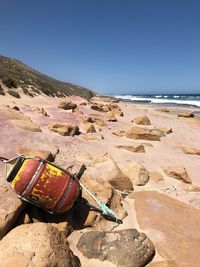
(166, 207)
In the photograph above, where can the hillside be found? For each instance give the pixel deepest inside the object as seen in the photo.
(16, 75)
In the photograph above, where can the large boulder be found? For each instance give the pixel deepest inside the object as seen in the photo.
(104, 168)
(102, 191)
(136, 172)
(64, 129)
(144, 134)
(142, 120)
(10, 208)
(178, 172)
(67, 105)
(38, 245)
(172, 225)
(125, 248)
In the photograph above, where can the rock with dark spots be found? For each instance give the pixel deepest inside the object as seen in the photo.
(64, 129)
(67, 105)
(136, 148)
(142, 120)
(10, 208)
(144, 134)
(178, 172)
(36, 244)
(125, 248)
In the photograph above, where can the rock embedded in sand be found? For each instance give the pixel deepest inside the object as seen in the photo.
(28, 151)
(104, 168)
(10, 208)
(111, 117)
(41, 111)
(123, 248)
(36, 244)
(142, 120)
(119, 133)
(136, 148)
(191, 151)
(163, 110)
(172, 225)
(186, 114)
(27, 124)
(144, 134)
(64, 129)
(89, 127)
(166, 130)
(16, 108)
(67, 105)
(136, 172)
(178, 172)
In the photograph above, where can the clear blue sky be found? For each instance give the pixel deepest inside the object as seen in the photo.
(110, 46)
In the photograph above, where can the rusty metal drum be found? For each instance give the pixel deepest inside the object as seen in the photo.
(44, 184)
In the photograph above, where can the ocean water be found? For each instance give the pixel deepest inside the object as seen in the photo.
(179, 99)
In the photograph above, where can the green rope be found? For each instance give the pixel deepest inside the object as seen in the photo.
(104, 208)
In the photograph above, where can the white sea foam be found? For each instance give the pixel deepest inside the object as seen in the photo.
(160, 101)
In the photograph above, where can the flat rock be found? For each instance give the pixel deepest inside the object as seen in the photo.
(18, 119)
(142, 120)
(143, 133)
(156, 176)
(178, 172)
(172, 226)
(191, 151)
(125, 248)
(10, 208)
(136, 172)
(135, 148)
(38, 245)
(64, 129)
